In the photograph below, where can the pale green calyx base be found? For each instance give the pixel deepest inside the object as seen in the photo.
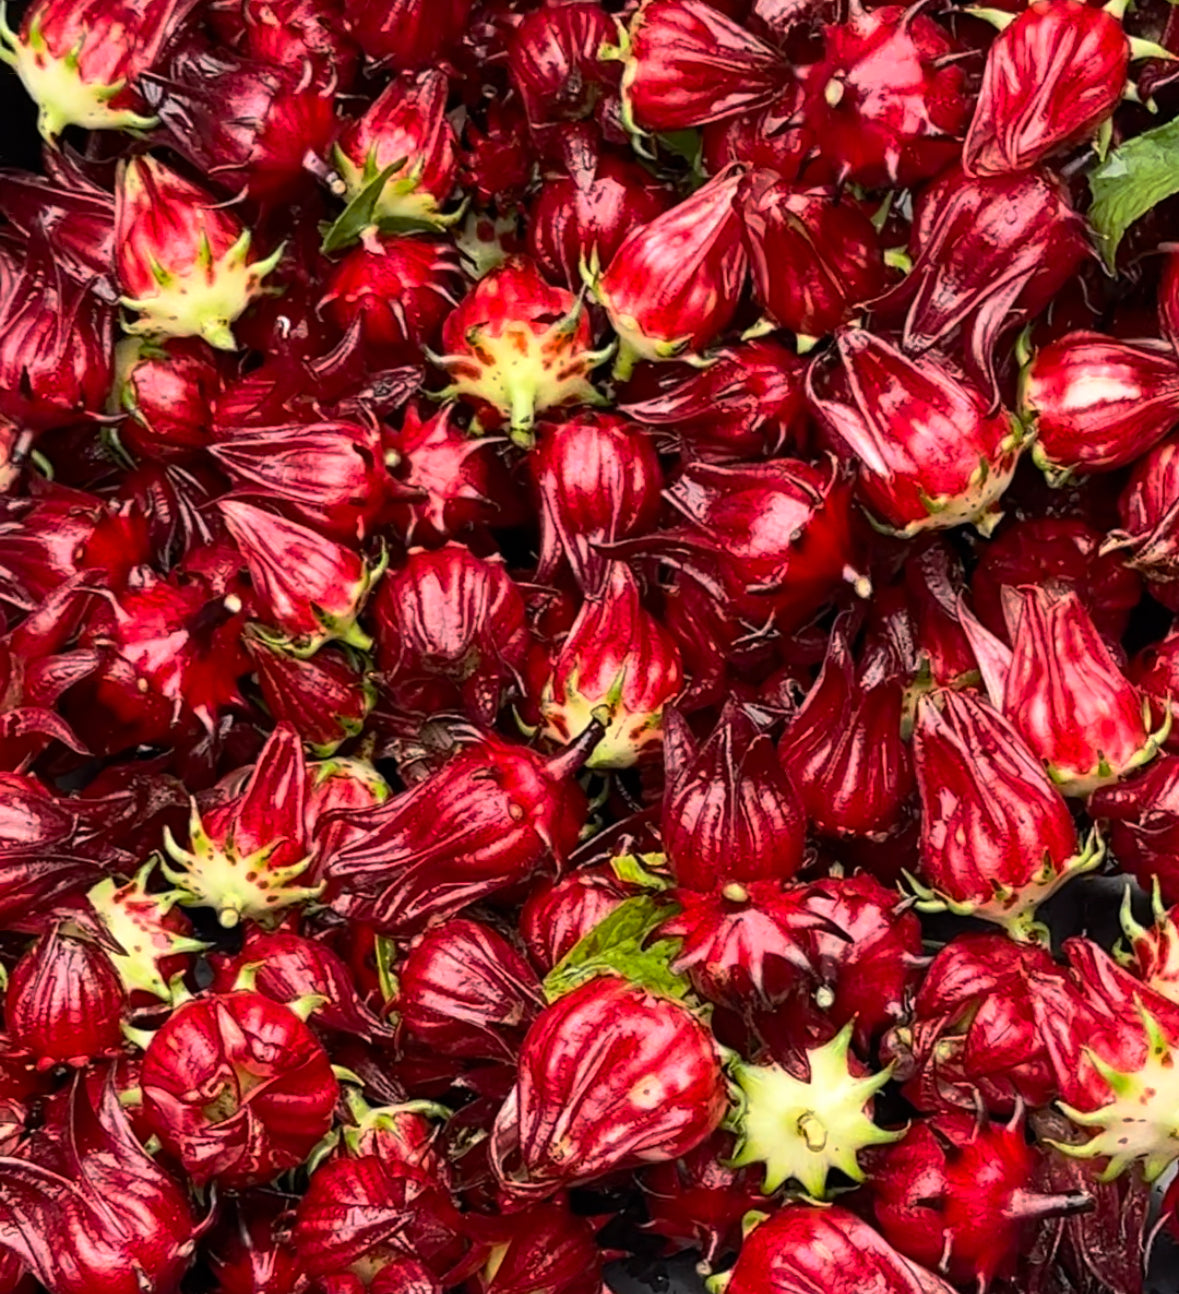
(978, 504)
(801, 1130)
(522, 373)
(204, 300)
(1141, 1121)
(627, 735)
(236, 886)
(1080, 785)
(55, 85)
(1015, 910)
(143, 945)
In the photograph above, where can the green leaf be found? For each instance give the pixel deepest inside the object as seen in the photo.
(615, 946)
(1133, 179)
(358, 215)
(648, 871)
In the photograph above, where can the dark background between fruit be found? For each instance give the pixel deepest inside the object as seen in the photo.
(1089, 904)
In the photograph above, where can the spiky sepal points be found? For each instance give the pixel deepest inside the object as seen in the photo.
(802, 1130)
(1141, 1122)
(1015, 909)
(236, 886)
(205, 299)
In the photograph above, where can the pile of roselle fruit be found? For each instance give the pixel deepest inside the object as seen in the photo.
(586, 664)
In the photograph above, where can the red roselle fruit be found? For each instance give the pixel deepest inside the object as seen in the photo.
(308, 588)
(1063, 690)
(1054, 74)
(587, 210)
(618, 663)
(404, 128)
(65, 1002)
(168, 390)
(815, 258)
(1147, 508)
(975, 1027)
(559, 913)
(610, 1076)
(996, 835)
(744, 944)
(554, 64)
(55, 341)
(844, 749)
(464, 991)
(324, 698)
(598, 480)
(237, 1088)
(987, 253)
(675, 283)
(451, 633)
(493, 816)
(1065, 551)
(730, 811)
(246, 857)
(248, 1252)
(687, 63)
(957, 1195)
(516, 346)
(776, 138)
(546, 1250)
(1098, 402)
(392, 293)
(183, 259)
(81, 61)
(454, 482)
(748, 402)
(700, 1199)
(119, 1221)
(1143, 817)
(930, 453)
(887, 100)
(291, 968)
(1154, 671)
(407, 34)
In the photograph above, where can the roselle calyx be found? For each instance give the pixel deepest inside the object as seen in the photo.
(957, 1195)
(618, 663)
(493, 816)
(944, 461)
(730, 811)
(997, 837)
(247, 857)
(647, 1082)
(1143, 818)
(675, 283)
(81, 61)
(1098, 402)
(237, 1088)
(183, 261)
(687, 63)
(516, 346)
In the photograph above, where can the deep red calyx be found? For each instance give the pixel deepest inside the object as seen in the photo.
(618, 664)
(815, 258)
(236, 1086)
(1053, 75)
(730, 811)
(545, 1250)
(168, 390)
(675, 283)
(494, 815)
(407, 34)
(558, 913)
(930, 453)
(997, 837)
(957, 1195)
(887, 100)
(1099, 402)
(451, 633)
(688, 63)
(183, 259)
(1143, 814)
(516, 346)
(803, 1247)
(1147, 508)
(554, 64)
(88, 1211)
(598, 480)
(65, 1002)
(610, 1076)
(464, 991)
